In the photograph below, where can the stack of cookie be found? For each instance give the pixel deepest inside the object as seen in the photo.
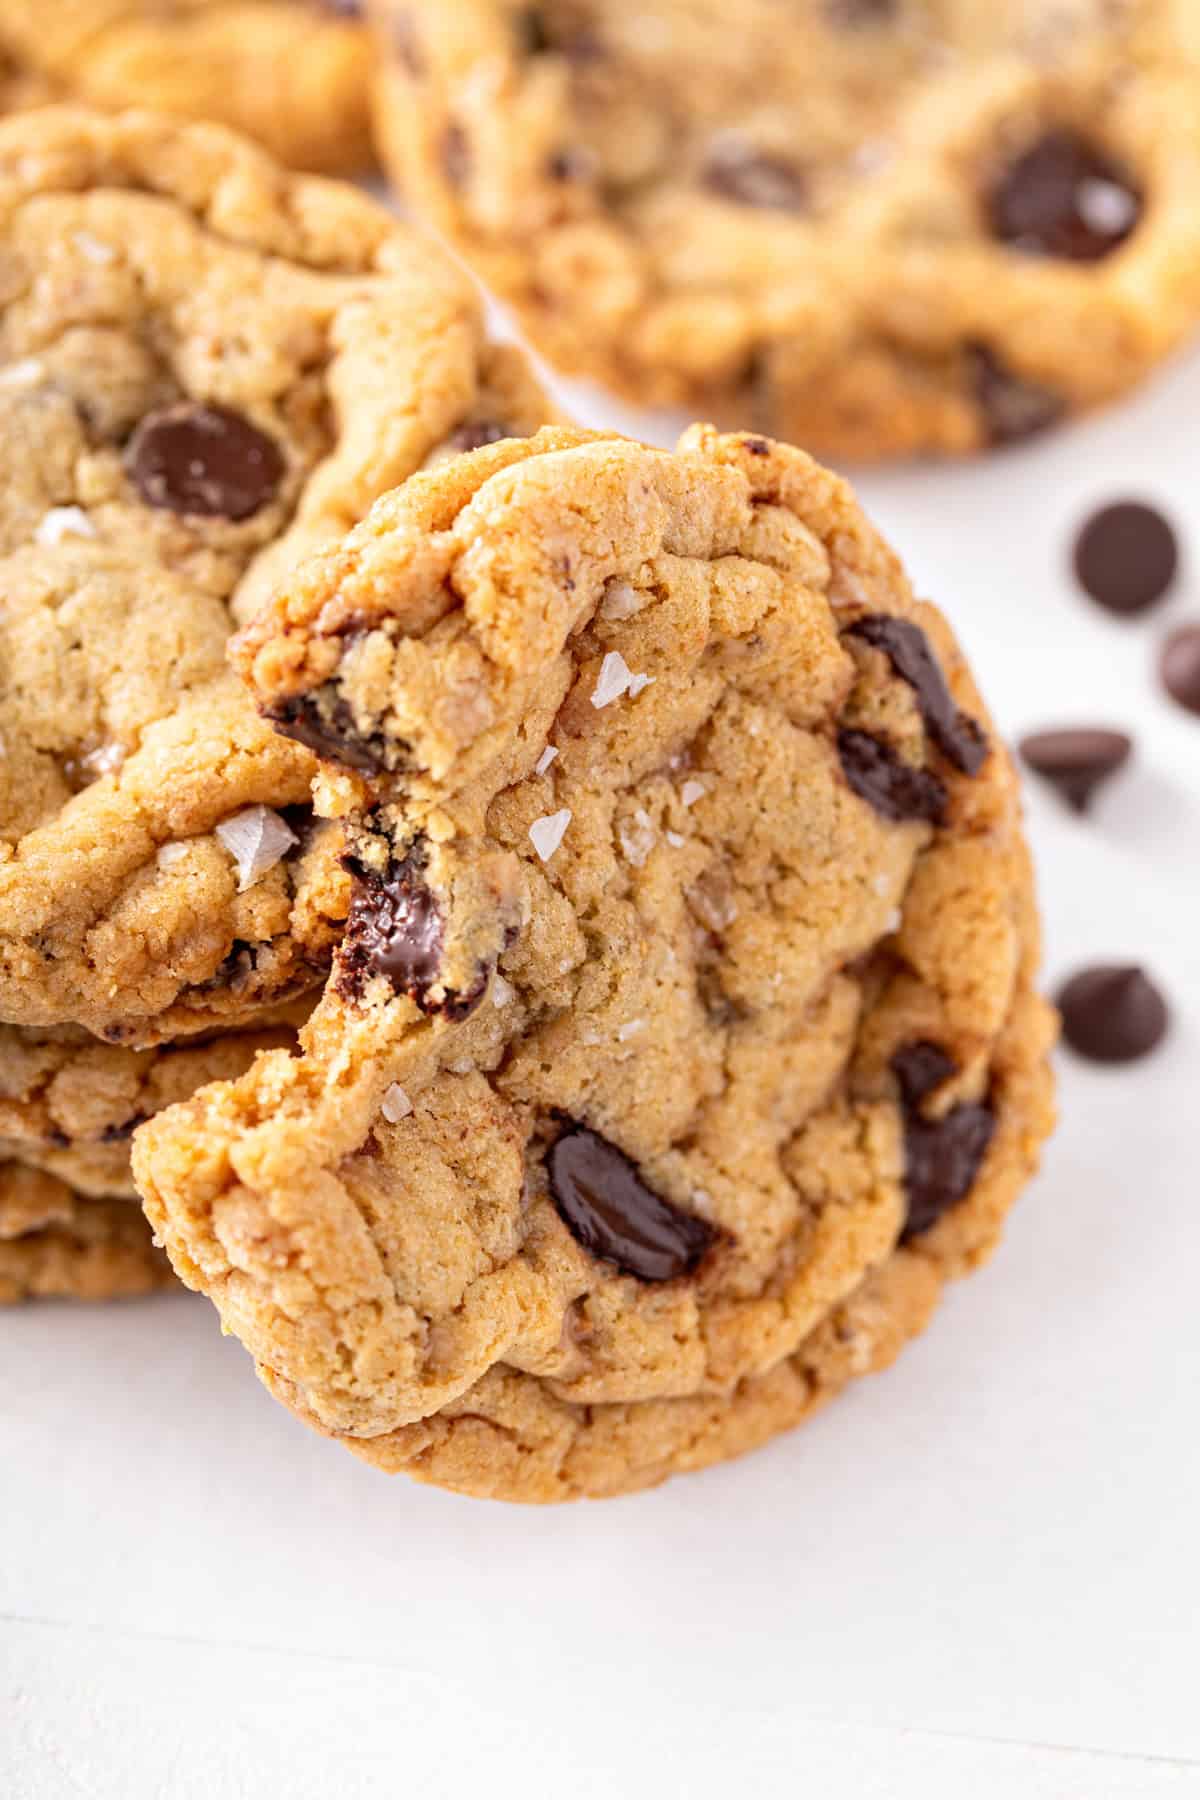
(542, 923)
(208, 367)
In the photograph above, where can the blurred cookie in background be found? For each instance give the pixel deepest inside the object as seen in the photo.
(874, 227)
(291, 73)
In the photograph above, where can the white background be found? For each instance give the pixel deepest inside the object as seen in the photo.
(977, 1574)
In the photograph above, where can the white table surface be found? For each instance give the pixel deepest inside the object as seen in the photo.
(977, 1573)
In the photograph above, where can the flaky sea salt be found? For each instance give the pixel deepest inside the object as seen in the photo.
(545, 759)
(620, 602)
(256, 838)
(617, 678)
(94, 248)
(23, 373)
(676, 840)
(63, 522)
(637, 837)
(630, 1029)
(502, 991)
(691, 791)
(395, 1104)
(170, 854)
(547, 833)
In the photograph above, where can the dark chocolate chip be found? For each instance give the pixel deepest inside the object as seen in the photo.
(1179, 667)
(607, 1207)
(751, 177)
(894, 788)
(206, 460)
(906, 647)
(942, 1160)
(1013, 408)
(1063, 197)
(395, 929)
(920, 1068)
(456, 156)
(325, 723)
(1126, 557)
(1078, 761)
(1113, 1013)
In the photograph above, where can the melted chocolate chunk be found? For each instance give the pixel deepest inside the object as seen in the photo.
(205, 460)
(1126, 557)
(1013, 408)
(329, 729)
(894, 788)
(1179, 667)
(942, 1159)
(396, 929)
(751, 177)
(1076, 762)
(1063, 197)
(607, 1207)
(920, 1068)
(1113, 1014)
(906, 647)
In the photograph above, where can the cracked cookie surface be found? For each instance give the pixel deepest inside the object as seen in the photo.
(208, 367)
(56, 1244)
(873, 227)
(292, 73)
(684, 1034)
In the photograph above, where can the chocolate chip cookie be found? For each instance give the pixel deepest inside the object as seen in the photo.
(870, 226)
(208, 367)
(56, 1244)
(684, 1036)
(70, 1105)
(292, 73)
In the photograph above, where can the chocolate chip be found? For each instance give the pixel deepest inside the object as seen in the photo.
(1013, 408)
(920, 1068)
(1113, 1013)
(942, 1158)
(1063, 197)
(894, 788)
(395, 929)
(456, 156)
(607, 1207)
(1076, 762)
(206, 460)
(1180, 667)
(751, 177)
(906, 647)
(323, 722)
(1126, 557)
